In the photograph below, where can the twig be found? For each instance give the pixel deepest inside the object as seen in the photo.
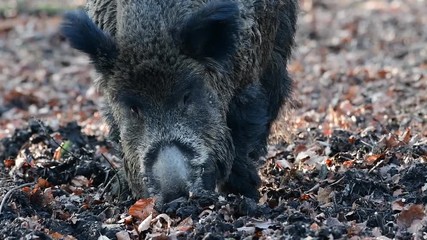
(336, 182)
(7, 195)
(313, 189)
(376, 166)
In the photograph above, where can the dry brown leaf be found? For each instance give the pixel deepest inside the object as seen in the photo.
(80, 181)
(56, 235)
(283, 163)
(26, 189)
(43, 183)
(348, 164)
(372, 159)
(185, 225)
(352, 139)
(324, 195)
(8, 163)
(304, 197)
(314, 227)
(397, 205)
(408, 216)
(329, 162)
(406, 136)
(142, 208)
(392, 141)
(57, 154)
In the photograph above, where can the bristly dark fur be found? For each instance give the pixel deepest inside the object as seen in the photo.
(206, 74)
(85, 36)
(211, 32)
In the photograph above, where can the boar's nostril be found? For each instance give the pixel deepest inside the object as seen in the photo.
(171, 169)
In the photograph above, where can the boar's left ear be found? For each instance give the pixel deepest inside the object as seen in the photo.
(211, 32)
(84, 35)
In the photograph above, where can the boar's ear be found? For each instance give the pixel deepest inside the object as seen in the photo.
(211, 32)
(84, 35)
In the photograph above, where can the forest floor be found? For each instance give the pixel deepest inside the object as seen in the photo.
(347, 160)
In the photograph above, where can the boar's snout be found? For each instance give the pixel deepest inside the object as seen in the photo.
(170, 169)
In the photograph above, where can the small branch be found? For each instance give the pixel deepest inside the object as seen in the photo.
(7, 195)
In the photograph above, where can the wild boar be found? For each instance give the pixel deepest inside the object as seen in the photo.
(191, 87)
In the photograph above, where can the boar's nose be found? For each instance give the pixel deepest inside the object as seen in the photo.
(171, 170)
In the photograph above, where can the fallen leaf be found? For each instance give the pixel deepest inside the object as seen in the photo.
(8, 163)
(166, 218)
(304, 197)
(102, 237)
(397, 192)
(371, 159)
(408, 216)
(80, 181)
(145, 225)
(397, 205)
(329, 162)
(142, 208)
(43, 183)
(314, 227)
(348, 164)
(283, 163)
(324, 195)
(406, 136)
(185, 225)
(123, 235)
(56, 235)
(392, 141)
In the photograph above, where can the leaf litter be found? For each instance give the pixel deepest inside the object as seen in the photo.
(348, 161)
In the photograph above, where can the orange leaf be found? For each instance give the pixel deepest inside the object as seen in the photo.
(348, 164)
(352, 139)
(128, 220)
(304, 197)
(371, 159)
(329, 162)
(26, 189)
(56, 235)
(142, 208)
(43, 183)
(57, 155)
(9, 163)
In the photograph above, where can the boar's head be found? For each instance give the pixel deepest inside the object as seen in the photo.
(165, 76)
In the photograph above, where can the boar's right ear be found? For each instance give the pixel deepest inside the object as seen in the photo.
(84, 35)
(211, 32)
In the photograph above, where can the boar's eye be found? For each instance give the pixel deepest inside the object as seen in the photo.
(134, 110)
(132, 103)
(186, 99)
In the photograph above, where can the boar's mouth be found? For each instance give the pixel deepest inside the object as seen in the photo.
(170, 169)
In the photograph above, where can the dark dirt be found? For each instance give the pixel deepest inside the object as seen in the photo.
(348, 162)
